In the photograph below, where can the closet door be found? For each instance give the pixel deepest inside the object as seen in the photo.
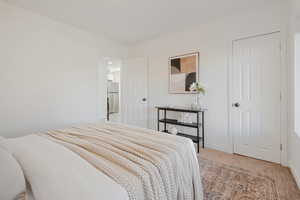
(134, 93)
(256, 100)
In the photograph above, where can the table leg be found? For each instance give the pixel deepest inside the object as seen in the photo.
(198, 146)
(165, 115)
(158, 111)
(203, 143)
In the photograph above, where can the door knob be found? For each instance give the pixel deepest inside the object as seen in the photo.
(236, 105)
(144, 99)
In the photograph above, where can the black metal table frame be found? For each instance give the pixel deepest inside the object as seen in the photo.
(190, 125)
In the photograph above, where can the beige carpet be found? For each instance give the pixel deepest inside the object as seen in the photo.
(234, 177)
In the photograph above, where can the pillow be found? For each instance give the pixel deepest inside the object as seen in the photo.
(12, 181)
(2, 138)
(56, 173)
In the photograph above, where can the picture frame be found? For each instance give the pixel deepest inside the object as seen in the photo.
(183, 71)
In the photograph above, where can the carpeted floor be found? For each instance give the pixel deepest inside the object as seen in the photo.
(233, 177)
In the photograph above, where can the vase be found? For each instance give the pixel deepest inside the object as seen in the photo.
(198, 102)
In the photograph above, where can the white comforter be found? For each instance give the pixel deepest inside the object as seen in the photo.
(81, 164)
(55, 173)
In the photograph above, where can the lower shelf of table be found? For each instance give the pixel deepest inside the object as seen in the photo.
(194, 138)
(176, 122)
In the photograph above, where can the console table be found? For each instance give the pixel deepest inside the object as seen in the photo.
(196, 125)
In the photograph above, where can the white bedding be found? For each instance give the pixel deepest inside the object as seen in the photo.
(57, 173)
(12, 181)
(105, 161)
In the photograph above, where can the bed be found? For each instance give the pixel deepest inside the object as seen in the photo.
(99, 161)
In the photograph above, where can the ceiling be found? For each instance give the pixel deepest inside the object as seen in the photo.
(133, 21)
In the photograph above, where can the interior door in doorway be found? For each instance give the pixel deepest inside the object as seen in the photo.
(134, 85)
(256, 90)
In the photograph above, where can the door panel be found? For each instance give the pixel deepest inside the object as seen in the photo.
(256, 88)
(134, 106)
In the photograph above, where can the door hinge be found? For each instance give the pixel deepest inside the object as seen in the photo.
(280, 147)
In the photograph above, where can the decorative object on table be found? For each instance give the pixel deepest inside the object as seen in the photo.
(183, 71)
(173, 130)
(185, 118)
(200, 90)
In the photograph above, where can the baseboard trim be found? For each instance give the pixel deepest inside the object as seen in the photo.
(296, 175)
(217, 147)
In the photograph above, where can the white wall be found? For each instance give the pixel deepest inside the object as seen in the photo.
(294, 83)
(48, 73)
(213, 41)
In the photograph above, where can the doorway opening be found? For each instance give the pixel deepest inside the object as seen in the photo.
(113, 90)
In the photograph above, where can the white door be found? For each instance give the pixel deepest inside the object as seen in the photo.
(134, 106)
(255, 113)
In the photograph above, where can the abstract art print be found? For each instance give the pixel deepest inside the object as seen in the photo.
(183, 71)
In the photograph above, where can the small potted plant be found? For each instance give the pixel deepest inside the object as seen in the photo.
(199, 89)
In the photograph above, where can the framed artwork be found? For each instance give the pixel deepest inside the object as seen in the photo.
(183, 71)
